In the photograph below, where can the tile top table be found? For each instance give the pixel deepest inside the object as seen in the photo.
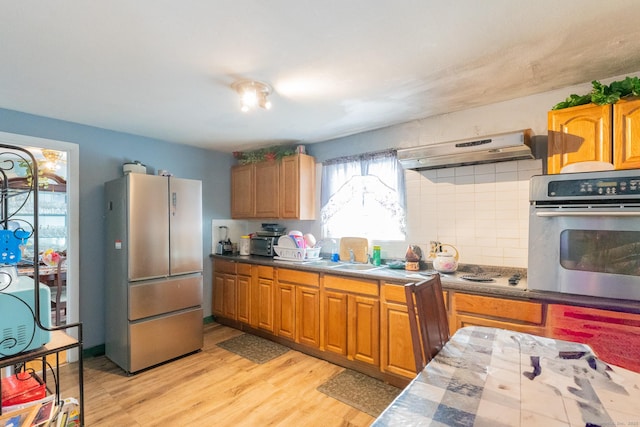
(495, 377)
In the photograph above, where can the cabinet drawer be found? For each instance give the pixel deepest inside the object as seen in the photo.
(243, 269)
(391, 292)
(162, 296)
(222, 266)
(265, 272)
(359, 286)
(300, 277)
(522, 311)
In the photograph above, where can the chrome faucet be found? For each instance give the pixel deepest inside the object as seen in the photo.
(352, 256)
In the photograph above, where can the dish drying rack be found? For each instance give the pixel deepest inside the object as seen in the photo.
(297, 254)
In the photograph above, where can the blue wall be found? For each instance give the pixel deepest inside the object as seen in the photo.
(102, 153)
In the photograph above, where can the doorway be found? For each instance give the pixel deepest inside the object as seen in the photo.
(70, 237)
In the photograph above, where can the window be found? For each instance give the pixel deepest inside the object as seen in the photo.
(364, 196)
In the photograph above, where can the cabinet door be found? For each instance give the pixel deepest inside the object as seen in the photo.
(335, 306)
(297, 187)
(242, 191)
(218, 294)
(267, 181)
(285, 310)
(364, 335)
(395, 336)
(308, 316)
(626, 125)
(229, 301)
(613, 336)
(476, 310)
(243, 296)
(264, 303)
(579, 134)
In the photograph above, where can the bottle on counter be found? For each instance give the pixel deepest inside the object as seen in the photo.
(244, 245)
(376, 259)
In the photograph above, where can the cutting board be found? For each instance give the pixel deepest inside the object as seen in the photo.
(359, 245)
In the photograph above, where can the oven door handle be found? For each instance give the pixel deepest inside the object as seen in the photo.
(548, 214)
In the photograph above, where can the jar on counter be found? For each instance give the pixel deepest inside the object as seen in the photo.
(376, 259)
(244, 245)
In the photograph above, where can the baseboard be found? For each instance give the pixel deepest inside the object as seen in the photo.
(96, 351)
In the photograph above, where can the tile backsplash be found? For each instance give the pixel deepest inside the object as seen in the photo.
(482, 210)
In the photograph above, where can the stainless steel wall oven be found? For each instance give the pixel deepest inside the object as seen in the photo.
(584, 234)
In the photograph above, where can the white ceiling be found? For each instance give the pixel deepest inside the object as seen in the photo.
(164, 68)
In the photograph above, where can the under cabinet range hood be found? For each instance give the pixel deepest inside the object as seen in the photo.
(484, 149)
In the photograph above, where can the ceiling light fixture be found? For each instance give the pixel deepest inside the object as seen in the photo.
(52, 159)
(253, 94)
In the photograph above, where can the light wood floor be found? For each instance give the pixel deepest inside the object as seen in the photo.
(214, 388)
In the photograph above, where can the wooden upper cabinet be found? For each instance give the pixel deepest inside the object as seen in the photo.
(274, 189)
(626, 134)
(607, 133)
(243, 191)
(579, 134)
(267, 181)
(298, 187)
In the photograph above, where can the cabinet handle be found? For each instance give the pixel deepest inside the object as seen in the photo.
(589, 214)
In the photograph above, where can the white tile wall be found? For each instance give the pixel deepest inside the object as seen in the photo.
(482, 210)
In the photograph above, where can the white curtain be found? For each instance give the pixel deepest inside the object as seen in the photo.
(364, 196)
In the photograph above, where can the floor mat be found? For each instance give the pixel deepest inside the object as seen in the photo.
(256, 349)
(360, 391)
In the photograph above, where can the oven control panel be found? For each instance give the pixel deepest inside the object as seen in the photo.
(611, 187)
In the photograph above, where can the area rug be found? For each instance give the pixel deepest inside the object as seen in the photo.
(360, 391)
(256, 349)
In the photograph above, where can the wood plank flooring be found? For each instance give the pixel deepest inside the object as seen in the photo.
(213, 388)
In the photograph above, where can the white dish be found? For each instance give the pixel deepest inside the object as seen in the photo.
(287, 242)
(587, 167)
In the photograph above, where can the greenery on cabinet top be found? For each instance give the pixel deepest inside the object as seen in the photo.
(262, 154)
(602, 94)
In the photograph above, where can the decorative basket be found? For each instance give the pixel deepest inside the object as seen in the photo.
(297, 254)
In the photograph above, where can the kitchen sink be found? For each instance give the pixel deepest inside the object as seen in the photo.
(320, 263)
(357, 267)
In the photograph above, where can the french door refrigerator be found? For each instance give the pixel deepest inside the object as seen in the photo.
(153, 294)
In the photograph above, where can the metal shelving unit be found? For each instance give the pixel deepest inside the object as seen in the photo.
(19, 180)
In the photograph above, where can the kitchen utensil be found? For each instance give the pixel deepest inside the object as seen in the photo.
(276, 228)
(296, 233)
(359, 246)
(134, 167)
(224, 245)
(478, 277)
(413, 254)
(245, 245)
(287, 241)
(310, 240)
(446, 262)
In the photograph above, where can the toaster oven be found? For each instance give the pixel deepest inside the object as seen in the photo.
(263, 245)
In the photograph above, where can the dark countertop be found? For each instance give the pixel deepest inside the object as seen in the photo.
(498, 288)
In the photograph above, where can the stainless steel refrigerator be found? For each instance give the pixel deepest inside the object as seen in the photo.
(153, 294)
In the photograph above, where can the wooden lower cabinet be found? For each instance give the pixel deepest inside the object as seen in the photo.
(298, 306)
(262, 299)
(516, 315)
(351, 318)
(308, 316)
(225, 290)
(613, 336)
(365, 322)
(243, 292)
(364, 332)
(334, 308)
(395, 336)
(286, 311)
